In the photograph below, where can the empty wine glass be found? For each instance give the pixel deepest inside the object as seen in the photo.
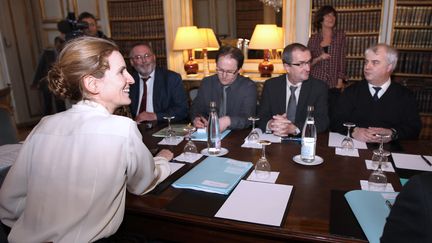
(348, 142)
(253, 136)
(190, 148)
(377, 179)
(262, 167)
(380, 152)
(170, 133)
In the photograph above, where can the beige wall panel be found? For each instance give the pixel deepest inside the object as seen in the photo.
(51, 10)
(91, 6)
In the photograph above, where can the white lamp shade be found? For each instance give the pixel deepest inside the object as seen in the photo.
(266, 36)
(209, 38)
(188, 37)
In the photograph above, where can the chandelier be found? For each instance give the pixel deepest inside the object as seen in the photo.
(276, 4)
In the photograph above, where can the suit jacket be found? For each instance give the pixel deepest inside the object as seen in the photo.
(313, 92)
(397, 109)
(169, 96)
(241, 100)
(411, 216)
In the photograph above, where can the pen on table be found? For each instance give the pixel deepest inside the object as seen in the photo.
(426, 160)
(389, 205)
(297, 139)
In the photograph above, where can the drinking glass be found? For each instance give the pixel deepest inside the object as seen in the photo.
(262, 167)
(380, 152)
(347, 142)
(190, 147)
(253, 136)
(170, 133)
(377, 179)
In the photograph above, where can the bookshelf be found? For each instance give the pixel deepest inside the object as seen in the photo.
(361, 21)
(138, 21)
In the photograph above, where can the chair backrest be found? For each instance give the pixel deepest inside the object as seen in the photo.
(8, 131)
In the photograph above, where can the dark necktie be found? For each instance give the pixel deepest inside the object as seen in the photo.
(292, 105)
(223, 101)
(143, 106)
(375, 96)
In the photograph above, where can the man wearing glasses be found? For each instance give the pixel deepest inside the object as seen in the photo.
(157, 92)
(377, 105)
(283, 107)
(235, 95)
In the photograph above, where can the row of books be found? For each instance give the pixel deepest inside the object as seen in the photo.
(139, 29)
(360, 21)
(158, 46)
(347, 4)
(356, 45)
(355, 69)
(414, 62)
(413, 38)
(135, 9)
(424, 99)
(413, 15)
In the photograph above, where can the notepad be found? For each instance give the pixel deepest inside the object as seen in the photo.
(335, 140)
(257, 202)
(201, 135)
(214, 174)
(370, 210)
(177, 128)
(411, 162)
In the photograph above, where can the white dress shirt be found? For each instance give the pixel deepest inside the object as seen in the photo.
(150, 84)
(69, 181)
(383, 89)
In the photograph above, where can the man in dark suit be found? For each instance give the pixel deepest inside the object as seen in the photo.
(377, 105)
(284, 102)
(235, 95)
(163, 94)
(410, 218)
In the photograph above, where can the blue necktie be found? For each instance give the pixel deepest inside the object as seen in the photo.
(375, 96)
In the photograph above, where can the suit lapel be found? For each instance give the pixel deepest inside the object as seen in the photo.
(157, 89)
(282, 94)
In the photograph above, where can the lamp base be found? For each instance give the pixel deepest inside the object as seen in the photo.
(265, 68)
(191, 67)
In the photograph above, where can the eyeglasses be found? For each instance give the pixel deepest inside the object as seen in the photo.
(141, 58)
(301, 64)
(227, 72)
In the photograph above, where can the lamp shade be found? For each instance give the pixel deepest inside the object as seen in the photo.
(209, 38)
(265, 36)
(188, 37)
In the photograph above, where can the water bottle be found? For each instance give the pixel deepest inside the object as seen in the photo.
(309, 137)
(213, 133)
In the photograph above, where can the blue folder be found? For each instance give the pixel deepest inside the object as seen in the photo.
(371, 211)
(214, 174)
(201, 135)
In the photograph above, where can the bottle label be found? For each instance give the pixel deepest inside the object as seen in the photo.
(308, 149)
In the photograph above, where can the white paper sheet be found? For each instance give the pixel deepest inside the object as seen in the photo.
(257, 202)
(175, 167)
(386, 166)
(411, 161)
(271, 179)
(174, 142)
(335, 140)
(8, 154)
(191, 158)
(364, 184)
(349, 152)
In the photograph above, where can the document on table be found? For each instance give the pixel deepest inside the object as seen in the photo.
(201, 135)
(335, 140)
(411, 162)
(257, 202)
(177, 128)
(175, 167)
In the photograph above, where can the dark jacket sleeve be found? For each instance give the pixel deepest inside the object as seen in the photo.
(411, 216)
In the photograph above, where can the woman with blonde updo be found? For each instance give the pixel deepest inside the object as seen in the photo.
(69, 181)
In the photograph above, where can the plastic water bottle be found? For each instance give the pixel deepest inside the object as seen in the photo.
(213, 133)
(309, 137)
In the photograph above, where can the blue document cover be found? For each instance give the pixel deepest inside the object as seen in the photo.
(371, 211)
(201, 135)
(214, 174)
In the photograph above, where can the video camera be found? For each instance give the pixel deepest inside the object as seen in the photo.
(71, 27)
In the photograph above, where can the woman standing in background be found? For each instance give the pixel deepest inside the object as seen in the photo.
(327, 47)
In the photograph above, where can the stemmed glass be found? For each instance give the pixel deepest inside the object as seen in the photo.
(380, 152)
(348, 143)
(262, 167)
(253, 136)
(170, 133)
(377, 179)
(190, 147)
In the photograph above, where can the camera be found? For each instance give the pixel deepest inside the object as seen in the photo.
(71, 27)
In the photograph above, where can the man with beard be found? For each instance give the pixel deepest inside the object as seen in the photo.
(157, 92)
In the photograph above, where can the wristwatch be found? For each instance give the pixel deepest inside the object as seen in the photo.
(394, 134)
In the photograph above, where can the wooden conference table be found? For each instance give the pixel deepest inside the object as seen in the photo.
(307, 217)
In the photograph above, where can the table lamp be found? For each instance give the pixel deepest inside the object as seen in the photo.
(211, 44)
(188, 38)
(266, 37)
